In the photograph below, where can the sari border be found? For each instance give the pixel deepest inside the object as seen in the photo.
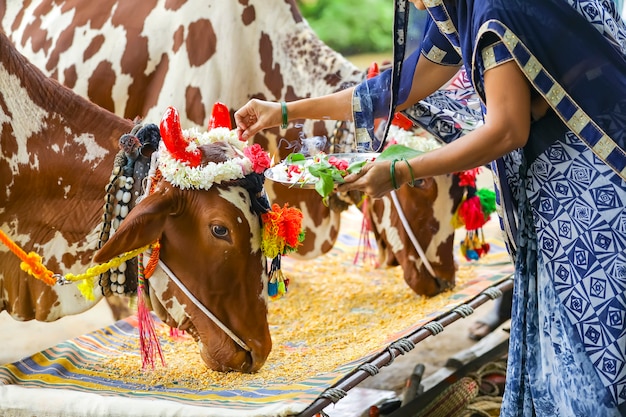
(442, 19)
(574, 117)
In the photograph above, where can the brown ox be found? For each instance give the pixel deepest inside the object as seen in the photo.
(137, 58)
(427, 208)
(56, 155)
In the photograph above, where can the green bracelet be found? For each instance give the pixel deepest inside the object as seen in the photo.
(392, 171)
(283, 108)
(410, 171)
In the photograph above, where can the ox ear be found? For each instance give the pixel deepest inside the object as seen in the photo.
(143, 226)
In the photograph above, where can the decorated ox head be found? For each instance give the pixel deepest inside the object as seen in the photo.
(414, 230)
(205, 213)
(415, 225)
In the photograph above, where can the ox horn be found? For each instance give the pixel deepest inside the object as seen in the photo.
(175, 141)
(220, 116)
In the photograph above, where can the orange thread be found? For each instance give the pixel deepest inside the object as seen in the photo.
(155, 180)
(156, 247)
(31, 262)
(153, 261)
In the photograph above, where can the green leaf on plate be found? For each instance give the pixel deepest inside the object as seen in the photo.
(397, 151)
(325, 184)
(294, 157)
(356, 166)
(317, 170)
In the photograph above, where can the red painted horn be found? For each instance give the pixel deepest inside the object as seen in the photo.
(175, 142)
(220, 116)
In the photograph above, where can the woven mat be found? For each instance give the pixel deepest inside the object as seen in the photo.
(336, 315)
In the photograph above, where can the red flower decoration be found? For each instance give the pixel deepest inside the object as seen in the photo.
(260, 159)
(340, 164)
(293, 169)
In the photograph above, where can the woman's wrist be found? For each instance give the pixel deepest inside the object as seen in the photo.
(284, 115)
(401, 172)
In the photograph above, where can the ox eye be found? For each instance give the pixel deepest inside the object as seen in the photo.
(418, 183)
(219, 231)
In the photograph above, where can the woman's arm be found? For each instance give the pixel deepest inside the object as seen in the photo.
(257, 115)
(427, 78)
(506, 127)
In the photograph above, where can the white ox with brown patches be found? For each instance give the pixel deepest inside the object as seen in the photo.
(56, 155)
(137, 58)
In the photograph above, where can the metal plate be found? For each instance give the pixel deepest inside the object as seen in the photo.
(271, 173)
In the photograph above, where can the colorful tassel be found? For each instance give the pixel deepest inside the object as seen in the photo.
(473, 213)
(176, 333)
(277, 283)
(474, 247)
(487, 201)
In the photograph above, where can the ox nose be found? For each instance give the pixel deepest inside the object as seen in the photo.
(258, 354)
(238, 359)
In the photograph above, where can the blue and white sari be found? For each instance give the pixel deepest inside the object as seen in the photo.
(562, 199)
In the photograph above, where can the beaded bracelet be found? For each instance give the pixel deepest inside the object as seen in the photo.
(283, 108)
(392, 172)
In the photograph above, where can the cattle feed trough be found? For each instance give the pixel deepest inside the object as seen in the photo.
(56, 155)
(192, 53)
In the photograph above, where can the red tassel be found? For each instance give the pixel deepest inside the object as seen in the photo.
(149, 343)
(471, 213)
(365, 249)
(220, 116)
(468, 178)
(176, 333)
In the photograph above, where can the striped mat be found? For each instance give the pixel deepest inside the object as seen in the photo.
(336, 316)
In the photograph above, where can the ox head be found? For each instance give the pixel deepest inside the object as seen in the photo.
(205, 212)
(428, 209)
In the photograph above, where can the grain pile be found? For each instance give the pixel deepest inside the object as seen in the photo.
(335, 312)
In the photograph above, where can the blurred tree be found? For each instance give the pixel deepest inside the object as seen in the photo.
(351, 26)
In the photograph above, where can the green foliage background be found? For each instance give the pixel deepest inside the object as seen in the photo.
(351, 26)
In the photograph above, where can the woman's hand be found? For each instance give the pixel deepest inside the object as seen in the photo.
(374, 179)
(255, 116)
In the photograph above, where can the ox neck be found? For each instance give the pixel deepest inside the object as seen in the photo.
(416, 244)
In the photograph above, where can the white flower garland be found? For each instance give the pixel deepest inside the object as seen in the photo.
(181, 175)
(413, 141)
(218, 134)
